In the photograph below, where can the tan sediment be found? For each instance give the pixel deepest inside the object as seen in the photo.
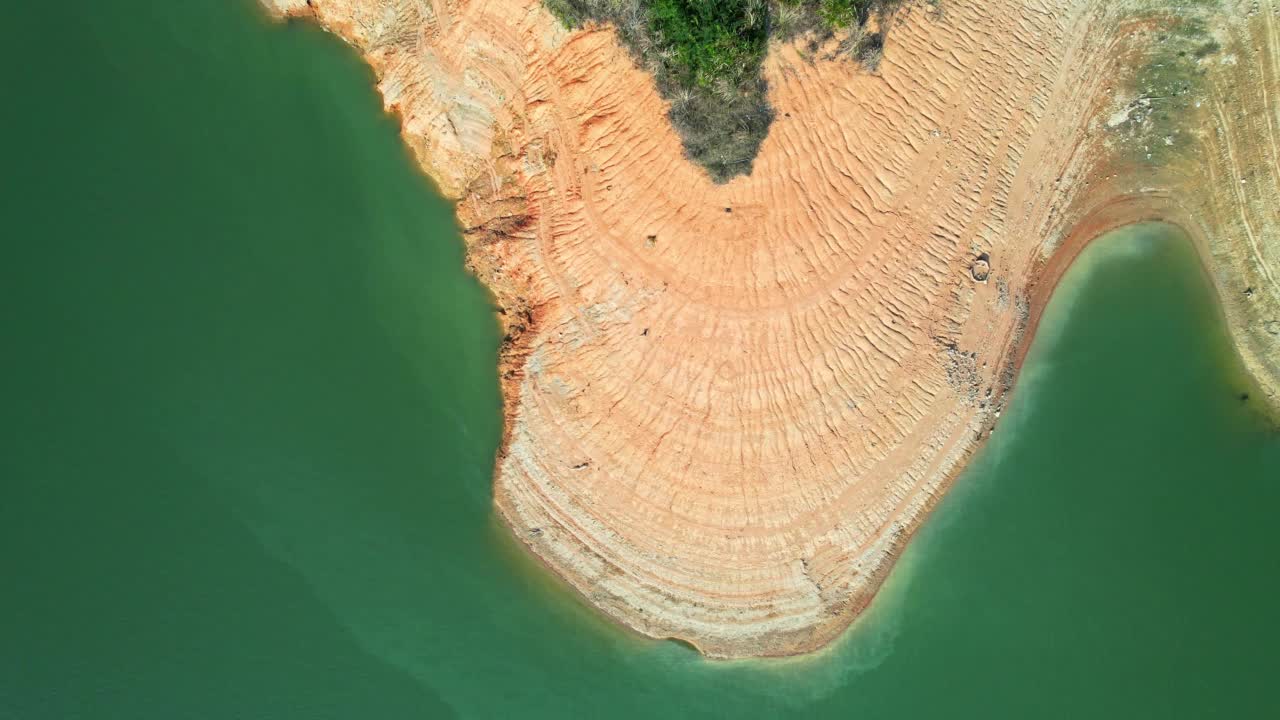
(722, 426)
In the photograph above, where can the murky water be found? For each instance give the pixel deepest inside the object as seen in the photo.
(250, 411)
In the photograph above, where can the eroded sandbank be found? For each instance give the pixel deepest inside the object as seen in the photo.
(728, 407)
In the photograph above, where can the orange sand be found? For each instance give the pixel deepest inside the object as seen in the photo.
(729, 406)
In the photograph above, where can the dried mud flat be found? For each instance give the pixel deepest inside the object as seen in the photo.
(729, 406)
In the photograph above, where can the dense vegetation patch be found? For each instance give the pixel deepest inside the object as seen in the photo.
(706, 56)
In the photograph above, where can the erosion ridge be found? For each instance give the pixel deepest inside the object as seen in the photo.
(729, 406)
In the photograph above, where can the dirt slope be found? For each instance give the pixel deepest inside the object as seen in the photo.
(729, 406)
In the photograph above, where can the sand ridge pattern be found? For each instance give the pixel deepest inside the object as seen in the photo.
(729, 406)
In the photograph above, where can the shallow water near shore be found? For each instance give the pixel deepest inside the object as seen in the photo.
(251, 410)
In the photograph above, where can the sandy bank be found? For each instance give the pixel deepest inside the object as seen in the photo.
(729, 406)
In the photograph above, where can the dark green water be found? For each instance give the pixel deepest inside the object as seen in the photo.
(250, 409)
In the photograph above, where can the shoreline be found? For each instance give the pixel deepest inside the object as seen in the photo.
(506, 221)
(1109, 216)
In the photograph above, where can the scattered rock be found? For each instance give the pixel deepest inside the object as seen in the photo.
(981, 268)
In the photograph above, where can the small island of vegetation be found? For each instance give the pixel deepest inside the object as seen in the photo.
(706, 57)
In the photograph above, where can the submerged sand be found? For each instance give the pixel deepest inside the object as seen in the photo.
(729, 406)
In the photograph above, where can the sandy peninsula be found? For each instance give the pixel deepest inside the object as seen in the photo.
(729, 406)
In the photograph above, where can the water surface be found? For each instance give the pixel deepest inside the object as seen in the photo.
(251, 407)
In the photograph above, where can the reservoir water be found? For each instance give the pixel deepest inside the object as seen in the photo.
(250, 410)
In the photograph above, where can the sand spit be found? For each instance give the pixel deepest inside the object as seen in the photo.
(729, 406)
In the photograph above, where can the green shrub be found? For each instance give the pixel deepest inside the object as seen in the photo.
(706, 57)
(841, 14)
(709, 40)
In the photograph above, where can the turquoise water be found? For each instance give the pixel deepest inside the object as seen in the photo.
(251, 407)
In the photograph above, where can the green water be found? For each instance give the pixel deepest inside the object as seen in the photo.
(250, 408)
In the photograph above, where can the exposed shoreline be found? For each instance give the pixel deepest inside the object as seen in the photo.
(516, 192)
